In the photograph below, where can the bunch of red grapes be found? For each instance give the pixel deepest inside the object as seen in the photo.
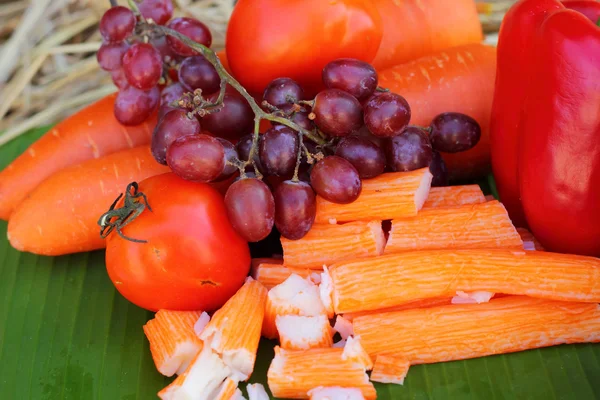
(359, 131)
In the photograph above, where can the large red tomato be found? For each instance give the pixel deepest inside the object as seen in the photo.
(192, 260)
(268, 39)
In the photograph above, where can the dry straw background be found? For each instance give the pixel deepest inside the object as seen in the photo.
(48, 67)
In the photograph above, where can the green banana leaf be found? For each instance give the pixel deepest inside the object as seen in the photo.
(65, 333)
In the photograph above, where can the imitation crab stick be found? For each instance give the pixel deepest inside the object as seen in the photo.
(529, 241)
(256, 391)
(293, 373)
(475, 226)
(388, 196)
(295, 296)
(271, 275)
(173, 341)
(356, 353)
(357, 285)
(421, 303)
(61, 215)
(234, 330)
(325, 244)
(453, 196)
(91, 133)
(335, 393)
(390, 369)
(302, 333)
(227, 389)
(457, 332)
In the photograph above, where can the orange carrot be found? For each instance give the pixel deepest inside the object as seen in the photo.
(460, 79)
(476, 226)
(91, 133)
(293, 373)
(271, 275)
(453, 196)
(358, 285)
(529, 241)
(390, 369)
(173, 342)
(414, 28)
(325, 244)
(388, 196)
(422, 303)
(506, 325)
(61, 215)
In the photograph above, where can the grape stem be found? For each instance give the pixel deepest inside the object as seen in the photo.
(423, 128)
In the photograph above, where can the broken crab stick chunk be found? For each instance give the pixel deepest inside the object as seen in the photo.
(390, 369)
(343, 326)
(293, 373)
(325, 244)
(256, 391)
(529, 241)
(271, 275)
(301, 333)
(408, 276)
(201, 380)
(472, 297)
(473, 226)
(295, 296)
(421, 303)
(173, 341)
(238, 395)
(387, 196)
(234, 330)
(227, 390)
(335, 393)
(457, 332)
(454, 196)
(266, 260)
(355, 352)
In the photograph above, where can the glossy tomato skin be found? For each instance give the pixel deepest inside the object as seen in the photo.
(193, 259)
(297, 38)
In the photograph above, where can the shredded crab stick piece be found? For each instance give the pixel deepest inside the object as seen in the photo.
(421, 303)
(173, 341)
(390, 369)
(529, 241)
(234, 330)
(388, 196)
(201, 323)
(472, 298)
(454, 196)
(335, 393)
(458, 332)
(271, 275)
(302, 333)
(295, 296)
(474, 226)
(343, 326)
(325, 244)
(357, 285)
(293, 373)
(227, 390)
(355, 352)
(256, 391)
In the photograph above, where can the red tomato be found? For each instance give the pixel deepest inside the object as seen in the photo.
(268, 39)
(192, 260)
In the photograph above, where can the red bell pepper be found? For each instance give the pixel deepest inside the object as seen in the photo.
(545, 129)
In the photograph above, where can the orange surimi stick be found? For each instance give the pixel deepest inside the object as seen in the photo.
(293, 373)
(459, 332)
(388, 196)
(234, 330)
(271, 275)
(295, 296)
(473, 226)
(302, 333)
(421, 303)
(355, 353)
(454, 196)
(357, 285)
(335, 393)
(529, 241)
(173, 341)
(256, 391)
(227, 389)
(390, 369)
(325, 244)
(343, 326)
(266, 260)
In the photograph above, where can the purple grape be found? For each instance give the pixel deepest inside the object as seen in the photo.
(364, 132)
(160, 43)
(283, 91)
(197, 73)
(173, 125)
(278, 151)
(295, 209)
(336, 180)
(143, 66)
(234, 119)
(387, 114)
(134, 106)
(337, 113)
(198, 158)
(251, 208)
(171, 93)
(230, 154)
(117, 24)
(439, 170)
(243, 147)
(454, 132)
(409, 150)
(351, 75)
(364, 155)
(193, 29)
(110, 55)
(160, 11)
(119, 79)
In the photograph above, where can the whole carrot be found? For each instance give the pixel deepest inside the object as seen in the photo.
(414, 28)
(60, 216)
(91, 133)
(460, 79)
